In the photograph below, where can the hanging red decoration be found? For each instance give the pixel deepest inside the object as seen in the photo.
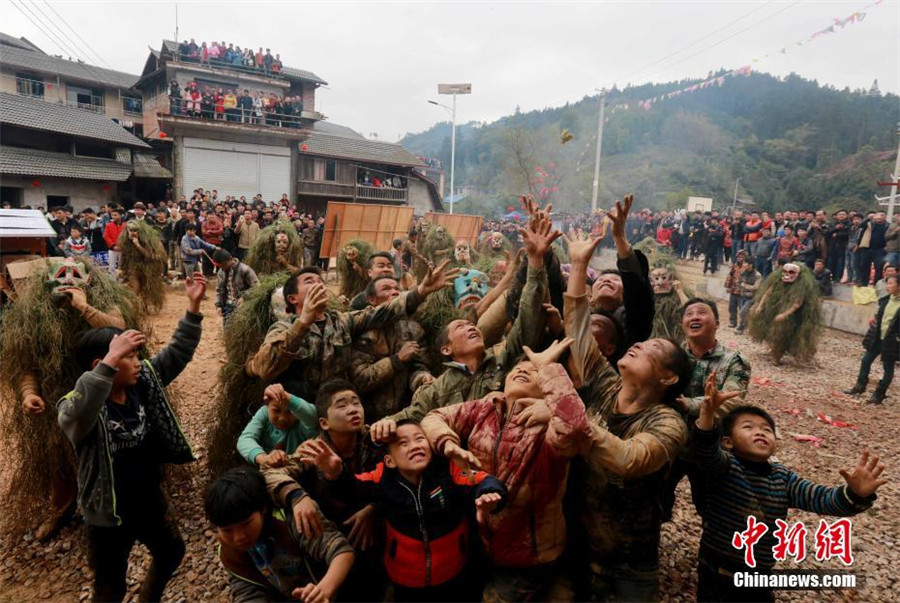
(163, 135)
(303, 147)
(105, 187)
(35, 183)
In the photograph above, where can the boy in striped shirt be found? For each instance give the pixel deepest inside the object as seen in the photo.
(741, 482)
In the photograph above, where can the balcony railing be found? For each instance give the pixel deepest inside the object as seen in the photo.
(234, 65)
(182, 107)
(316, 187)
(29, 87)
(380, 193)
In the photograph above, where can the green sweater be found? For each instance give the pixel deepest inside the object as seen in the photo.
(261, 437)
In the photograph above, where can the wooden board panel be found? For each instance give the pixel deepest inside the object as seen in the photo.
(463, 227)
(377, 224)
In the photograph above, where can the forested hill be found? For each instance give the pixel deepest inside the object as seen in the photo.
(792, 142)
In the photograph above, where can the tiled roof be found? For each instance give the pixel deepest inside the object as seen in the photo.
(23, 43)
(44, 63)
(343, 143)
(36, 114)
(147, 166)
(31, 162)
(290, 72)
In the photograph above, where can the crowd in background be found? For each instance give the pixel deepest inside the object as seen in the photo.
(225, 104)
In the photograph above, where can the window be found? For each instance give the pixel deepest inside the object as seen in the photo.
(330, 171)
(12, 195)
(30, 85)
(84, 98)
(318, 169)
(56, 201)
(132, 105)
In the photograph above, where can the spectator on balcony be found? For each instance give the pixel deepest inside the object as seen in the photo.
(214, 52)
(258, 106)
(237, 57)
(220, 104)
(231, 106)
(277, 66)
(193, 51)
(297, 106)
(175, 97)
(259, 59)
(208, 104)
(193, 99)
(228, 55)
(376, 182)
(246, 105)
(249, 58)
(204, 54)
(184, 50)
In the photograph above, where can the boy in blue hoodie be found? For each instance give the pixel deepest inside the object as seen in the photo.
(123, 430)
(278, 428)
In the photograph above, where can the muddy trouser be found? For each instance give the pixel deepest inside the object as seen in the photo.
(172, 254)
(746, 304)
(624, 581)
(108, 550)
(114, 257)
(508, 584)
(734, 308)
(308, 257)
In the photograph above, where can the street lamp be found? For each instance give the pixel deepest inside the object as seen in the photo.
(452, 89)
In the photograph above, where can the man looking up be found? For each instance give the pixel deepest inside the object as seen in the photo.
(314, 346)
(379, 265)
(473, 371)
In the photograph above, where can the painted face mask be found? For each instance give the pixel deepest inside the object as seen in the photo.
(66, 273)
(661, 279)
(281, 243)
(469, 288)
(496, 240)
(790, 272)
(462, 252)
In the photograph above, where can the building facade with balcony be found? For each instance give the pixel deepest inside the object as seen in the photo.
(336, 163)
(239, 150)
(55, 94)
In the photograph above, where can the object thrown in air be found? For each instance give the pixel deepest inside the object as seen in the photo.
(565, 136)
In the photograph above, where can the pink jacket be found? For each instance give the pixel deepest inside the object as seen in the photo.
(533, 463)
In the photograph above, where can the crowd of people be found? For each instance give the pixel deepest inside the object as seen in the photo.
(220, 53)
(226, 104)
(527, 448)
(191, 229)
(853, 247)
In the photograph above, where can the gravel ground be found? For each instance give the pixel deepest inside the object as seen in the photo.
(57, 572)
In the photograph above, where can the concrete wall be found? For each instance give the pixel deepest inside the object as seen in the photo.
(81, 193)
(836, 313)
(419, 197)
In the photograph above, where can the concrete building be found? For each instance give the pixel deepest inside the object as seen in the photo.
(63, 123)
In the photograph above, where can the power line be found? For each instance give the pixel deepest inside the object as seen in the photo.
(731, 37)
(88, 68)
(66, 23)
(695, 42)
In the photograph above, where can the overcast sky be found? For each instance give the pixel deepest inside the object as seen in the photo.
(383, 60)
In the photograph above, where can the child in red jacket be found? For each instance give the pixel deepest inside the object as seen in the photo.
(426, 504)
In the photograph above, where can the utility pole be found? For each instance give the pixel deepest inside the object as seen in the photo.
(734, 201)
(895, 177)
(596, 188)
(452, 89)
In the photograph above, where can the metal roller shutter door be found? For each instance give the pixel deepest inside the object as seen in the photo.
(236, 168)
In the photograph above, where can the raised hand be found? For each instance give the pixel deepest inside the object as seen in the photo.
(195, 288)
(463, 458)
(485, 505)
(33, 404)
(274, 392)
(383, 430)
(76, 298)
(619, 216)
(122, 345)
(276, 458)
(538, 237)
(865, 479)
(438, 278)
(550, 355)
(536, 412)
(712, 400)
(314, 304)
(581, 249)
(320, 455)
(407, 351)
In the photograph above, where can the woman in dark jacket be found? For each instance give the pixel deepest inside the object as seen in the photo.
(882, 338)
